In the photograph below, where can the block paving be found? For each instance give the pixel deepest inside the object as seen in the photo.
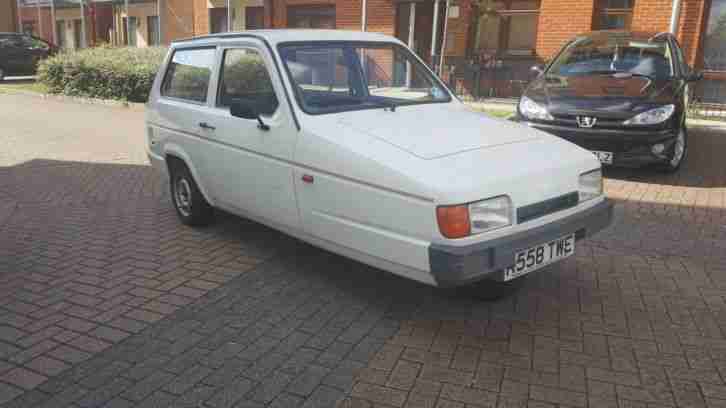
(107, 301)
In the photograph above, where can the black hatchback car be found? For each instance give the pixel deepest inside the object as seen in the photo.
(20, 53)
(622, 95)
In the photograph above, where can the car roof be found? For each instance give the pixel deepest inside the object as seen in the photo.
(277, 36)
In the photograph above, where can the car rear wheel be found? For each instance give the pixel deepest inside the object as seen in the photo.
(189, 203)
(678, 152)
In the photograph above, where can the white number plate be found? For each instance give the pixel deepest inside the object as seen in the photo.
(539, 256)
(604, 157)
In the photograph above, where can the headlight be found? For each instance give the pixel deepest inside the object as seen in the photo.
(459, 221)
(490, 214)
(533, 110)
(590, 185)
(653, 116)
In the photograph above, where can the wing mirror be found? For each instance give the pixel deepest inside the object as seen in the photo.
(247, 111)
(694, 76)
(537, 70)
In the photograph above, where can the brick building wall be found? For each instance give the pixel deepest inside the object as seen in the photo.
(559, 21)
(381, 16)
(8, 16)
(177, 19)
(655, 15)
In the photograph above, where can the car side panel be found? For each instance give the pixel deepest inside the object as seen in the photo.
(356, 214)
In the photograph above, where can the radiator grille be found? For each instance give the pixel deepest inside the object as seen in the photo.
(537, 210)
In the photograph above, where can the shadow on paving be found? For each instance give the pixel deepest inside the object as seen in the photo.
(303, 326)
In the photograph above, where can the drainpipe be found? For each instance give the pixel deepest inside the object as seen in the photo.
(53, 22)
(20, 16)
(443, 38)
(84, 44)
(158, 21)
(229, 16)
(128, 24)
(40, 19)
(364, 15)
(435, 34)
(675, 16)
(411, 34)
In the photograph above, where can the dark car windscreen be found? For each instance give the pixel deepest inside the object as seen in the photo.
(651, 59)
(335, 77)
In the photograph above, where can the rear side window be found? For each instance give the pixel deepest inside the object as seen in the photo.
(188, 75)
(246, 79)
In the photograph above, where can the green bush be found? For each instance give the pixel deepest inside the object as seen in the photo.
(104, 72)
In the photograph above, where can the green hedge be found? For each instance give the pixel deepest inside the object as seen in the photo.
(106, 73)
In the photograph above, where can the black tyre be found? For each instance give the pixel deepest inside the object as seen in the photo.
(677, 153)
(189, 203)
(2, 74)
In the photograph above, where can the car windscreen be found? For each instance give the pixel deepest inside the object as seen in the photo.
(644, 58)
(335, 77)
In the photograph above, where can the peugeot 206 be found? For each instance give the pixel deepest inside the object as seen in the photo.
(623, 95)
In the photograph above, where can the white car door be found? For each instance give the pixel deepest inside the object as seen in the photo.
(251, 166)
(183, 104)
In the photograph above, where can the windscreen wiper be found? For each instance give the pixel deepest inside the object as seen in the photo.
(628, 74)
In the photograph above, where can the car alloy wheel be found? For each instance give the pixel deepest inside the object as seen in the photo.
(183, 197)
(189, 202)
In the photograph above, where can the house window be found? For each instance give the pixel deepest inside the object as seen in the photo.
(152, 25)
(508, 27)
(613, 14)
(29, 27)
(218, 20)
(254, 18)
(714, 47)
(311, 17)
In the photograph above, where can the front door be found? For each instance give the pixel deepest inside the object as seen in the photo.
(77, 38)
(250, 169)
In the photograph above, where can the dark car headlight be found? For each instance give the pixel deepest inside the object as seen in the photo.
(532, 110)
(653, 116)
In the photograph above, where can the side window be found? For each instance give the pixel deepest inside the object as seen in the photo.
(245, 78)
(188, 74)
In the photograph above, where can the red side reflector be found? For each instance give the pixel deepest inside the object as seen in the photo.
(308, 178)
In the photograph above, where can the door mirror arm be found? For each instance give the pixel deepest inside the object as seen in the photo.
(261, 124)
(247, 111)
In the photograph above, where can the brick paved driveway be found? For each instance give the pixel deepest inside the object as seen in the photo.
(106, 300)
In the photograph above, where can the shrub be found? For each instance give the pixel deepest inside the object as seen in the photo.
(104, 72)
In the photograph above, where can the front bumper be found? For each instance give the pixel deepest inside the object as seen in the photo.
(456, 265)
(630, 148)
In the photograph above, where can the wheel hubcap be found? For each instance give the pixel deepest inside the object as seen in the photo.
(183, 197)
(679, 149)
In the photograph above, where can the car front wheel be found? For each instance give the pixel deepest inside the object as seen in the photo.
(677, 154)
(189, 203)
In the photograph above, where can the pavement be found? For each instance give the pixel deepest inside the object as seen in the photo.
(106, 300)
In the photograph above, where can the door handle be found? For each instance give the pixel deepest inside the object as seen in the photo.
(205, 125)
